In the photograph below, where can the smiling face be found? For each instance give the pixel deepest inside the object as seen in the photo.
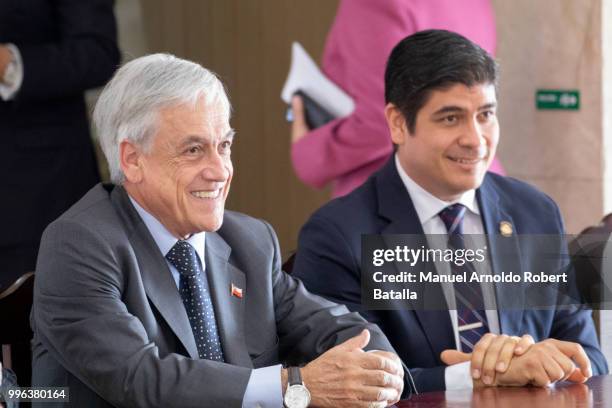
(184, 177)
(454, 139)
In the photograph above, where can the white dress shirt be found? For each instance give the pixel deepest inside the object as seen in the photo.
(264, 389)
(428, 207)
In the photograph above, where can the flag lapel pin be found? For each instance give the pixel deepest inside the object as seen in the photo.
(236, 291)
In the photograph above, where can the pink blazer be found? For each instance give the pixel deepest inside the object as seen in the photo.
(346, 151)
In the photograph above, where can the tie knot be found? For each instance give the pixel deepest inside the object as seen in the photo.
(184, 258)
(452, 216)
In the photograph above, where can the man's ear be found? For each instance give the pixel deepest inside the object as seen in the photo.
(397, 124)
(130, 161)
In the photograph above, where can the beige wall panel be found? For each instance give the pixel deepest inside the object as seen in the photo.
(607, 103)
(553, 44)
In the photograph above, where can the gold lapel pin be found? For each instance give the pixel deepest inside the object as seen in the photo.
(505, 228)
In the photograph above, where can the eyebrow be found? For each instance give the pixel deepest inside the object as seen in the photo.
(199, 139)
(456, 109)
(488, 106)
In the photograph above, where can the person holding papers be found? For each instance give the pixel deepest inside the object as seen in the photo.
(440, 94)
(346, 151)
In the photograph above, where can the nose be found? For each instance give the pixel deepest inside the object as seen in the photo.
(217, 167)
(473, 134)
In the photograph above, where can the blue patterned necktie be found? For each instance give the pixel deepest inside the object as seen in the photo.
(194, 290)
(472, 320)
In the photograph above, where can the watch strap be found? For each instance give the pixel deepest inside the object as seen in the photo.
(294, 376)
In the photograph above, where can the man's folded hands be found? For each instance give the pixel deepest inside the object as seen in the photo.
(501, 360)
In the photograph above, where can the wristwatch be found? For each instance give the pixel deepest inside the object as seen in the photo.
(297, 395)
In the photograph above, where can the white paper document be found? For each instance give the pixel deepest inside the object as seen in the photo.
(305, 75)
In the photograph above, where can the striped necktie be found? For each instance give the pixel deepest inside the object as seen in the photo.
(194, 290)
(472, 320)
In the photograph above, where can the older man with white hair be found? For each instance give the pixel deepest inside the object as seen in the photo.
(149, 294)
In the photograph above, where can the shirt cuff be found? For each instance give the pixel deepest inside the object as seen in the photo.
(457, 376)
(264, 388)
(15, 72)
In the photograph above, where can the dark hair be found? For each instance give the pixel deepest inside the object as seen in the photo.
(432, 60)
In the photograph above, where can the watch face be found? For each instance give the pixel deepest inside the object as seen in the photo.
(297, 396)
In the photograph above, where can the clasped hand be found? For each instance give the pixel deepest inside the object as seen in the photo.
(347, 376)
(501, 360)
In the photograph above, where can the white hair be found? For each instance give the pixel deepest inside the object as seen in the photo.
(128, 106)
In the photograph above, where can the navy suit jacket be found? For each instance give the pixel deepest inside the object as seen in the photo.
(329, 257)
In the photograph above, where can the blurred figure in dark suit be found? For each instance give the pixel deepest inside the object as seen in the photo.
(51, 52)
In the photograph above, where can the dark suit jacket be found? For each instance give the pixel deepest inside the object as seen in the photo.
(46, 156)
(329, 257)
(109, 322)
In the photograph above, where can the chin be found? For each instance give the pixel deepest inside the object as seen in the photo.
(464, 186)
(213, 225)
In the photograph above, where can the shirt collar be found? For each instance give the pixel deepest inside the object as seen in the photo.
(426, 204)
(163, 238)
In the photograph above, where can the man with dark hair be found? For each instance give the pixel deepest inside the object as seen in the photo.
(412, 74)
(440, 90)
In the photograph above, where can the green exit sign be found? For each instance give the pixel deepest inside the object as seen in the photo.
(557, 99)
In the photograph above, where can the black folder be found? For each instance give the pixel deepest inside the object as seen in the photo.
(315, 115)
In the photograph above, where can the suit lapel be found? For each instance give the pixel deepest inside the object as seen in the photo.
(505, 256)
(395, 205)
(156, 276)
(229, 309)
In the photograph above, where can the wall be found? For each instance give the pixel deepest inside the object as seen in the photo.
(553, 44)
